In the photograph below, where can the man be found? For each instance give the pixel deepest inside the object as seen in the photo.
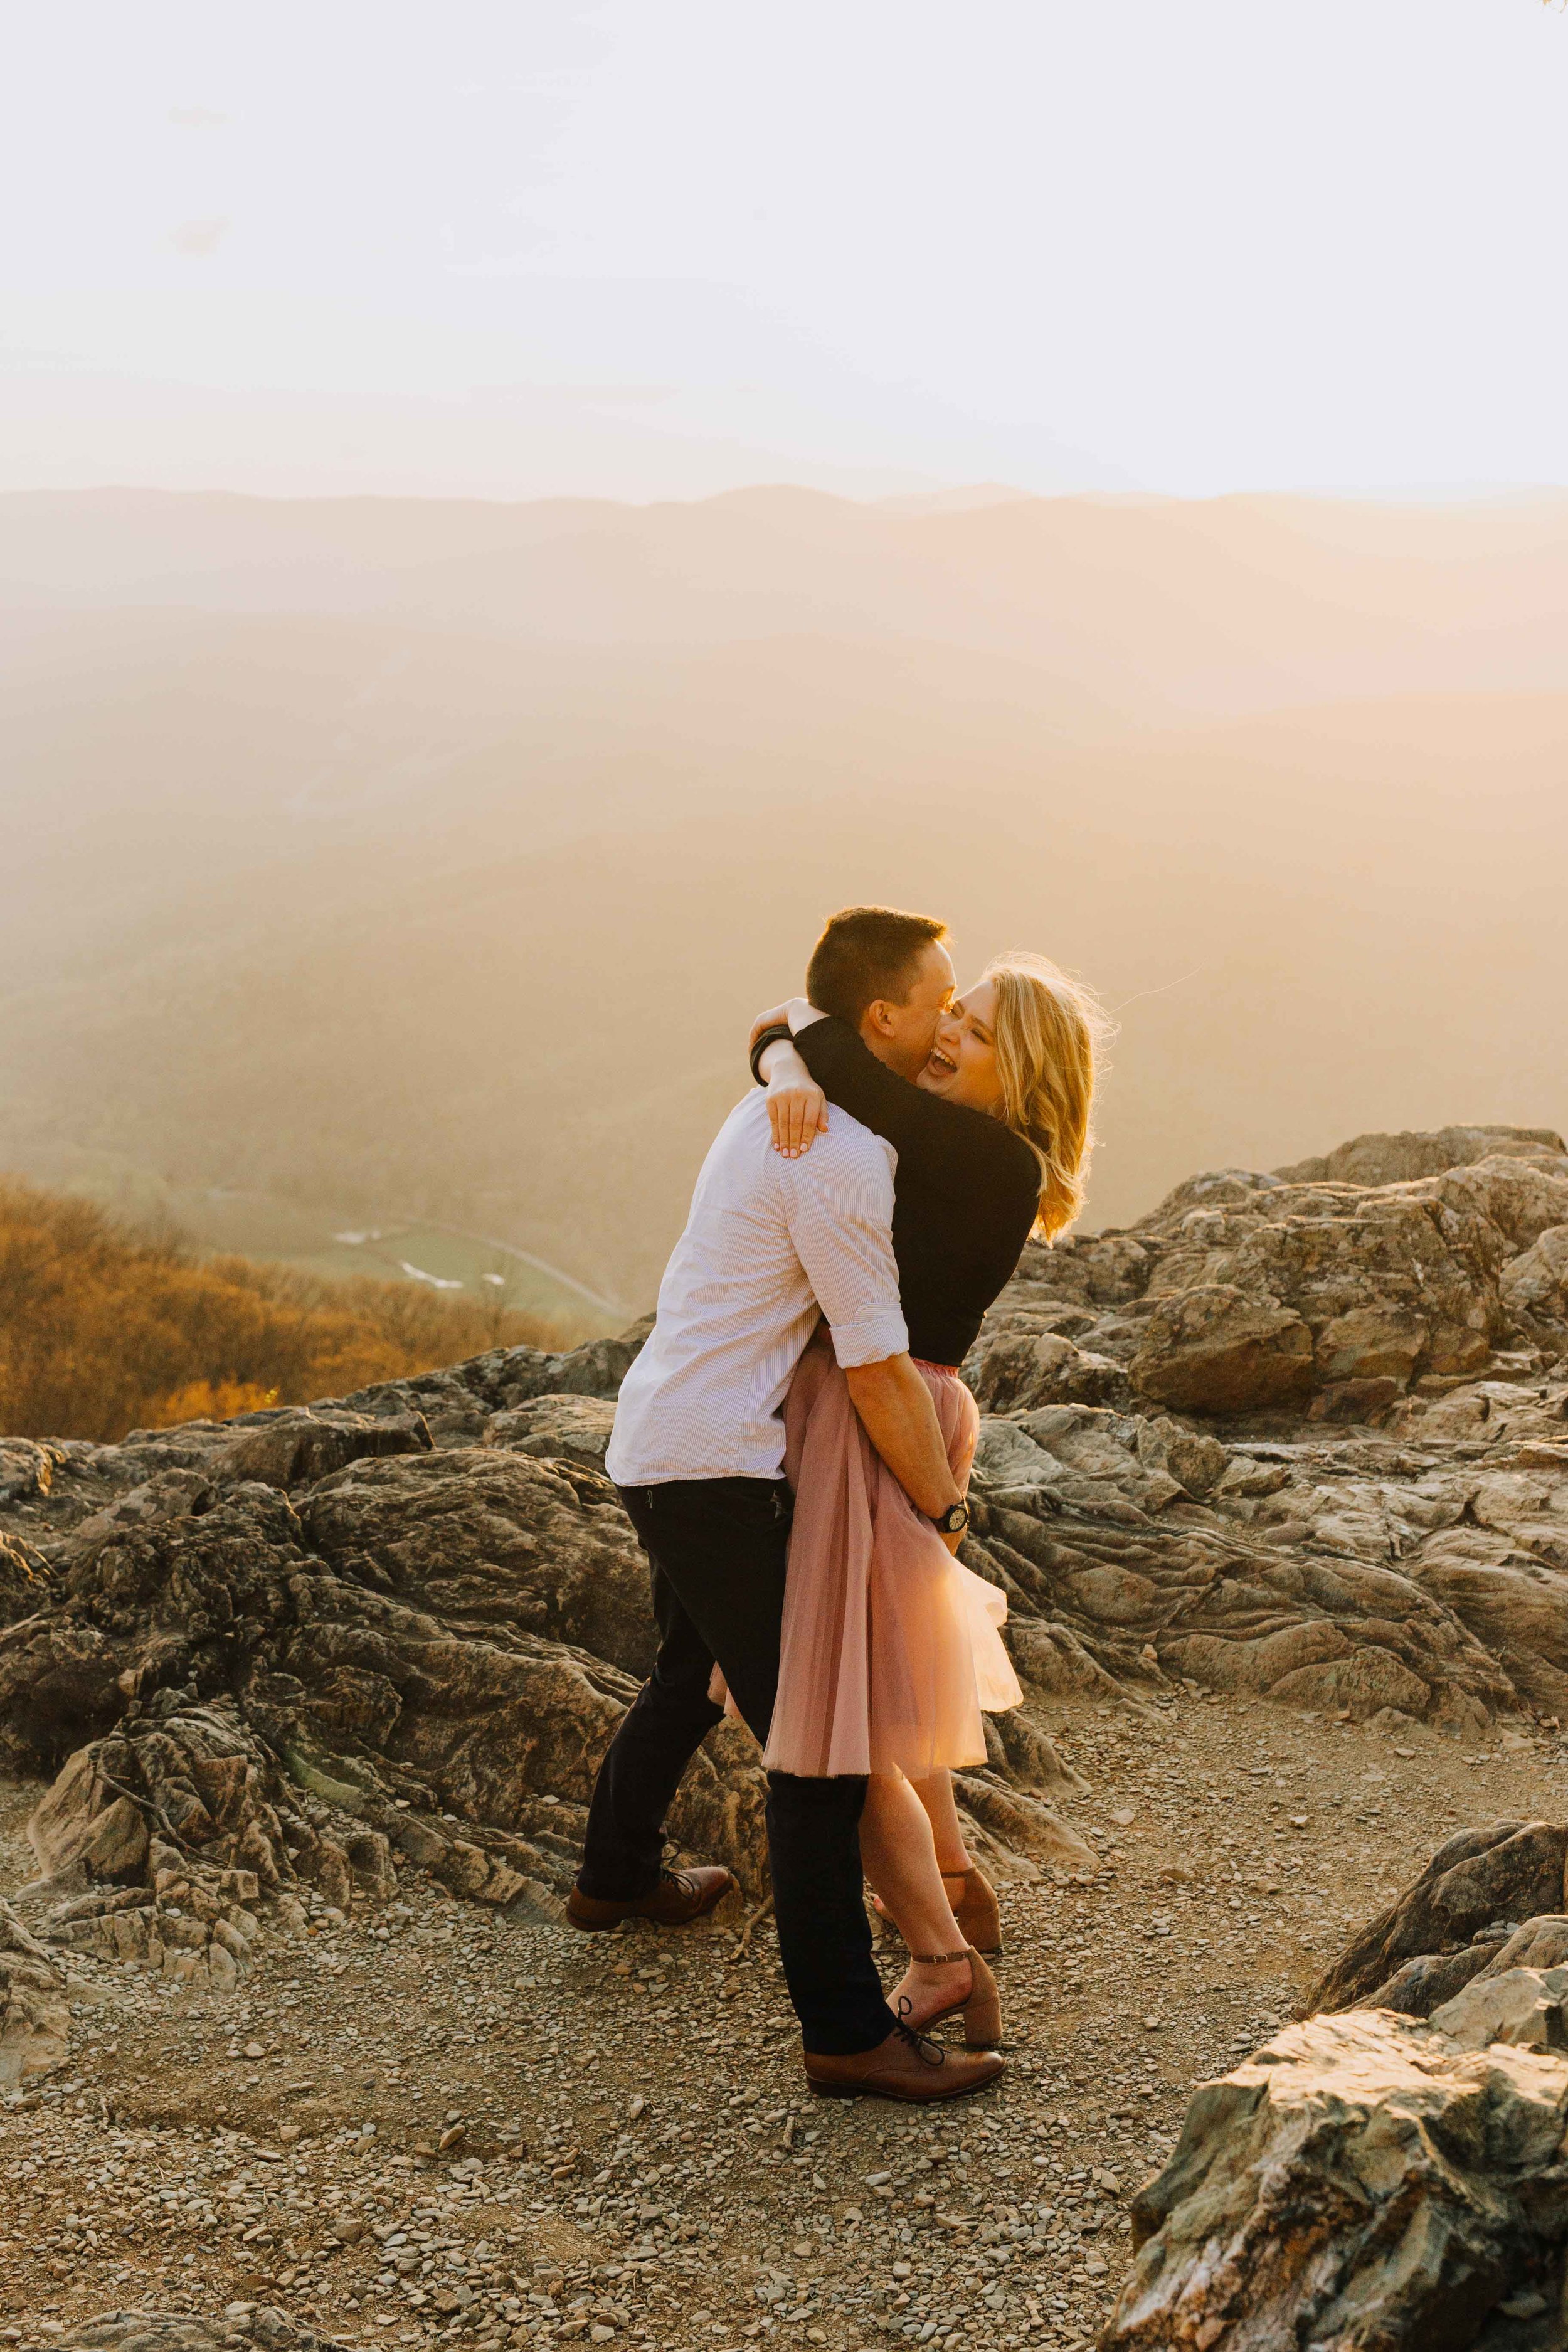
(771, 1244)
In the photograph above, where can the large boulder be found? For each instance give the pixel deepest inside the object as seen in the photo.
(1534, 1287)
(495, 1539)
(296, 1448)
(35, 2018)
(1515, 1605)
(565, 1428)
(1478, 1881)
(1210, 1348)
(1363, 2183)
(1523, 2007)
(1381, 1284)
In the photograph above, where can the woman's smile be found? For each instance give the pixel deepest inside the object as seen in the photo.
(962, 1064)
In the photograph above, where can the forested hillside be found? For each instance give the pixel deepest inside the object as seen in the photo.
(102, 1331)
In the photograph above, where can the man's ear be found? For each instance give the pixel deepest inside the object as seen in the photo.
(879, 1017)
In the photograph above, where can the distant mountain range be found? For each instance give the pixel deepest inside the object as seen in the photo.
(410, 860)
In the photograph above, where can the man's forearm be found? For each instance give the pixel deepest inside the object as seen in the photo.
(899, 1417)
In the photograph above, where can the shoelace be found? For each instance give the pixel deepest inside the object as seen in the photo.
(681, 1878)
(923, 2044)
(906, 2005)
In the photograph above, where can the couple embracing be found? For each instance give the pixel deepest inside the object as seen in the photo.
(793, 1446)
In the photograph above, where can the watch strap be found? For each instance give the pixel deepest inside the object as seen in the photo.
(779, 1033)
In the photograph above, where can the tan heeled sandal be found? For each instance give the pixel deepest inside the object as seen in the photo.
(981, 2008)
(976, 1910)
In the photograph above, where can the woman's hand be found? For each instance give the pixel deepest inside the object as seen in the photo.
(797, 1107)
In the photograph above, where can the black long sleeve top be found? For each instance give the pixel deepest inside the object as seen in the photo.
(965, 1197)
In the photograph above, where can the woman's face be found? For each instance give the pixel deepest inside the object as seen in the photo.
(963, 1063)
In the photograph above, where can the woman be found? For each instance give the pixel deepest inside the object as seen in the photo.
(891, 1651)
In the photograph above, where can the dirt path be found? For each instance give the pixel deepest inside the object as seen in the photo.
(630, 2150)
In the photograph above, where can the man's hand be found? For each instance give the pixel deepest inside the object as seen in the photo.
(797, 1107)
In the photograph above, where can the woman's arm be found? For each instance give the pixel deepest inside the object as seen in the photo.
(796, 1013)
(797, 1107)
(945, 1136)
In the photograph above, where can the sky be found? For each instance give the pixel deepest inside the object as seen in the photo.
(515, 248)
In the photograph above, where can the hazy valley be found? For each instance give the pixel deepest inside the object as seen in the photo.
(381, 861)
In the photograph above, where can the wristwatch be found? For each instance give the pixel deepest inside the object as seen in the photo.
(953, 1521)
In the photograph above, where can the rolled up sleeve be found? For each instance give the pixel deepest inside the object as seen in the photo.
(839, 1203)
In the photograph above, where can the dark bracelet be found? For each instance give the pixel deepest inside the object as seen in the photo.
(780, 1031)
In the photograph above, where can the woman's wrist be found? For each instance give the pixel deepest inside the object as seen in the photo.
(800, 1014)
(779, 1062)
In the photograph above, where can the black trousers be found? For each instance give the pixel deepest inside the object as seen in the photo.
(717, 1549)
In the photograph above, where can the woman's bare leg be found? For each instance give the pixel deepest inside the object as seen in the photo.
(935, 1793)
(899, 1854)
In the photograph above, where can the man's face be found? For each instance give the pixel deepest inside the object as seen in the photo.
(902, 1036)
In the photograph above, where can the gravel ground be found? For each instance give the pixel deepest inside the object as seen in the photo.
(437, 2125)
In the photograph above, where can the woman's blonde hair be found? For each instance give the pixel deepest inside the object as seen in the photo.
(1051, 1036)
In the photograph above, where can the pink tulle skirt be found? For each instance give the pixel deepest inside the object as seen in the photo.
(891, 1652)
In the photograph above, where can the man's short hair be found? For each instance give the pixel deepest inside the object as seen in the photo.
(866, 952)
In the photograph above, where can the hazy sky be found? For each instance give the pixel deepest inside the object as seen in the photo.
(520, 246)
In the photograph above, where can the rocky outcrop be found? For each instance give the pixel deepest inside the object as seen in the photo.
(501, 1540)
(1334, 1287)
(417, 1614)
(1524, 2008)
(571, 1428)
(1308, 1435)
(299, 1448)
(34, 2022)
(1490, 1899)
(1113, 1568)
(363, 1667)
(1400, 1159)
(1366, 2182)
(258, 1697)
(1303, 1436)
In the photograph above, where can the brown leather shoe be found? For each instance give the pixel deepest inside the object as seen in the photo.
(910, 2067)
(680, 1896)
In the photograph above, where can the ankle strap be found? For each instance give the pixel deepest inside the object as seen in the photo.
(933, 1959)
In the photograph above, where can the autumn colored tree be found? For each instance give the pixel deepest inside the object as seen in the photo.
(103, 1330)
